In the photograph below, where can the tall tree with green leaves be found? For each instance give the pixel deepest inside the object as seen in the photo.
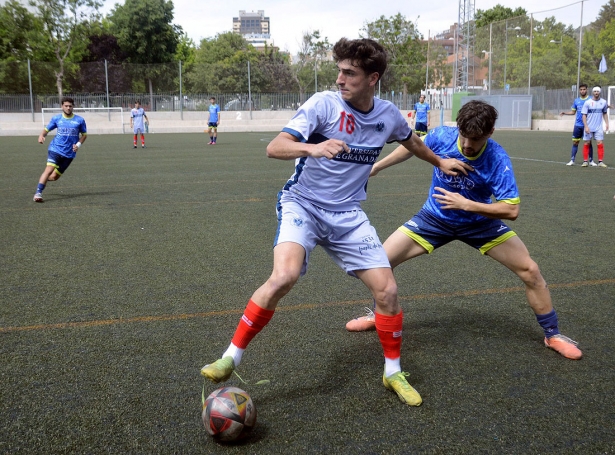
(406, 51)
(65, 29)
(312, 57)
(146, 33)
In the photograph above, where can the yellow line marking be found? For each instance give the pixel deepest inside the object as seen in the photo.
(303, 306)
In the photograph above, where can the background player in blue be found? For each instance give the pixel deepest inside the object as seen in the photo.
(421, 116)
(138, 120)
(594, 113)
(460, 208)
(72, 133)
(577, 132)
(213, 120)
(334, 138)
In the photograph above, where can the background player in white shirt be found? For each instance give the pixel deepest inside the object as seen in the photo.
(334, 139)
(138, 120)
(594, 112)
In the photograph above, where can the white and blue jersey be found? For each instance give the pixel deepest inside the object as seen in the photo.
(213, 113)
(137, 116)
(492, 175)
(340, 184)
(69, 130)
(594, 109)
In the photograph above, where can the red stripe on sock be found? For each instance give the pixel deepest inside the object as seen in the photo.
(389, 329)
(252, 322)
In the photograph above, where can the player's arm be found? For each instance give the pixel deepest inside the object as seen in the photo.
(585, 123)
(605, 117)
(572, 112)
(146, 119)
(42, 136)
(454, 201)
(288, 147)
(417, 148)
(79, 143)
(219, 118)
(428, 116)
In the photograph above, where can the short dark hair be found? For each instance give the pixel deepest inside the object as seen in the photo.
(476, 119)
(137, 101)
(68, 99)
(364, 53)
(582, 85)
(213, 98)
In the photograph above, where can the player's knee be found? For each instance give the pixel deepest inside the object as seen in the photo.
(387, 294)
(53, 176)
(281, 282)
(531, 276)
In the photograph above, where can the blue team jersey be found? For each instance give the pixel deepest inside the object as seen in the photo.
(213, 113)
(492, 175)
(137, 118)
(341, 183)
(421, 112)
(69, 129)
(594, 110)
(577, 106)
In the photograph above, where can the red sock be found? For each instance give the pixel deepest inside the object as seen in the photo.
(600, 152)
(135, 140)
(252, 322)
(389, 331)
(586, 152)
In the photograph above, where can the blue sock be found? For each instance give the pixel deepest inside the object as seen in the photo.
(40, 187)
(591, 152)
(575, 149)
(548, 322)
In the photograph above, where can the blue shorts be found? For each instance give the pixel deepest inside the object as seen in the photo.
(431, 232)
(577, 132)
(212, 125)
(420, 127)
(347, 237)
(58, 161)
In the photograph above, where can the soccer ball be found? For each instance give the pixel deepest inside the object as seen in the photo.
(228, 413)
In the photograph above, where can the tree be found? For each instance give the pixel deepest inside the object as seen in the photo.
(145, 32)
(406, 52)
(606, 14)
(313, 51)
(498, 13)
(440, 72)
(65, 26)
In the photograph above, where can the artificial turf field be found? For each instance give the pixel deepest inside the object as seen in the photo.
(135, 270)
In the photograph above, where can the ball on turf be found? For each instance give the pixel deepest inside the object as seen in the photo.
(228, 414)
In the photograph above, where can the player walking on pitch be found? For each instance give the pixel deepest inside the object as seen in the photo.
(461, 209)
(213, 120)
(72, 133)
(421, 116)
(594, 112)
(577, 132)
(138, 121)
(334, 138)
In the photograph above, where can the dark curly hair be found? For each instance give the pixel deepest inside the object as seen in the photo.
(364, 53)
(476, 119)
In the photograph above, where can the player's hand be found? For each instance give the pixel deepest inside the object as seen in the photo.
(450, 200)
(453, 166)
(41, 139)
(329, 149)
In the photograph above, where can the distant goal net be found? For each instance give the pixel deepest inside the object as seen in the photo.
(99, 116)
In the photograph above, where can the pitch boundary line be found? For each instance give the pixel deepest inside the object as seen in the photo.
(298, 307)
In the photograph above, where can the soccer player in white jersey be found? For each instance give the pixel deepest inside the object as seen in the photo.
(462, 209)
(71, 134)
(334, 138)
(594, 112)
(138, 120)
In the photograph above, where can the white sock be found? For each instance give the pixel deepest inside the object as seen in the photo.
(391, 366)
(236, 353)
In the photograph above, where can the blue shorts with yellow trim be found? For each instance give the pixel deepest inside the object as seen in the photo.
(431, 232)
(58, 161)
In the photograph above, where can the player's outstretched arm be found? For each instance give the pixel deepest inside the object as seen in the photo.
(450, 166)
(42, 136)
(399, 155)
(287, 147)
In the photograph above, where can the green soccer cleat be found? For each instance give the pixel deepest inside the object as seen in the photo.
(397, 383)
(220, 370)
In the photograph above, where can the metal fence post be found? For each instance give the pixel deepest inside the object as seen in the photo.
(107, 88)
(31, 97)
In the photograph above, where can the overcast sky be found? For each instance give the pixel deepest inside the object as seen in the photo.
(288, 19)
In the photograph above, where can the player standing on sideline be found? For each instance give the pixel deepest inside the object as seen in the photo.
(72, 133)
(213, 120)
(138, 124)
(421, 116)
(462, 209)
(594, 112)
(577, 132)
(334, 138)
